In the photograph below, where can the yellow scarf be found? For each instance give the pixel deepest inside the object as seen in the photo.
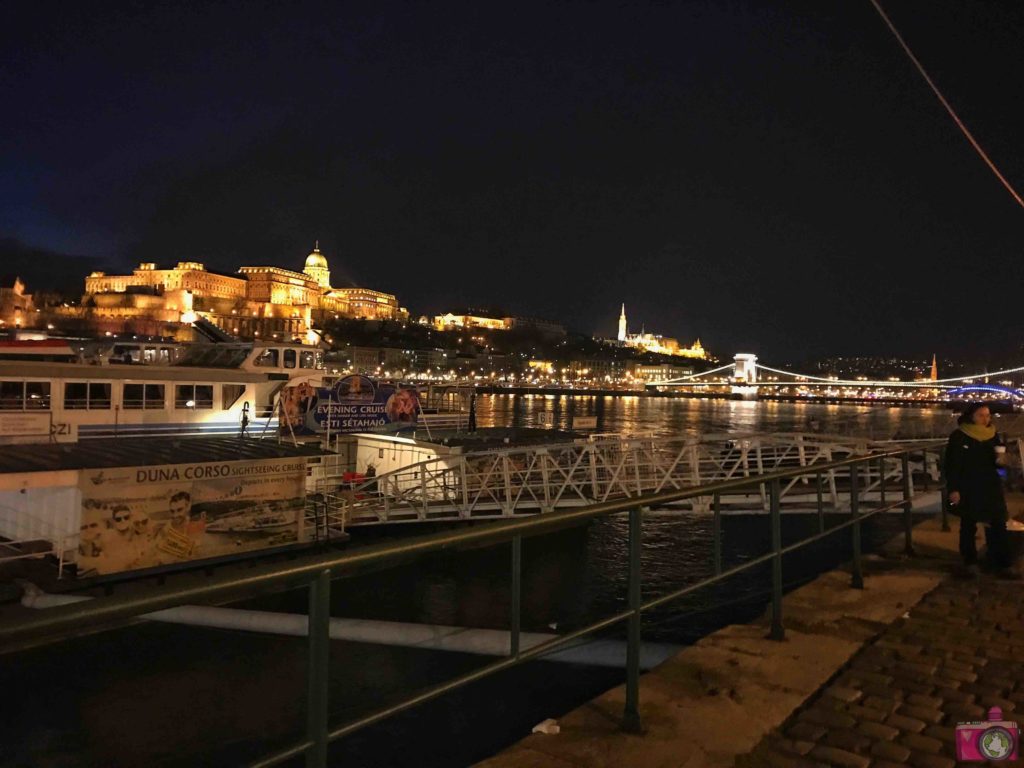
(978, 432)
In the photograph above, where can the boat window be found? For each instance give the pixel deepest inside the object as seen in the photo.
(148, 396)
(37, 395)
(99, 395)
(12, 395)
(289, 358)
(76, 395)
(126, 353)
(196, 396)
(134, 396)
(184, 396)
(267, 359)
(155, 396)
(150, 355)
(81, 395)
(307, 359)
(230, 393)
(204, 395)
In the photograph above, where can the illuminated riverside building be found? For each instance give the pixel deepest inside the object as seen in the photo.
(450, 320)
(496, 321)
(663, 372)
(259, 301)
(16, 307)
(662, 345)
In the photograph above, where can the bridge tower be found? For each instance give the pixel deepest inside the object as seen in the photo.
(746, 368)
(745, 375)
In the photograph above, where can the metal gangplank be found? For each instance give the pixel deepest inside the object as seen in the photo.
(538, 479)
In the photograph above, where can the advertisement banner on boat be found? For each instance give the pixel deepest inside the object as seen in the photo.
(143, 517)
(354, 404)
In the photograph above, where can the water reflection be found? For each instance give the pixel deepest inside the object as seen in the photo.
(685, 416)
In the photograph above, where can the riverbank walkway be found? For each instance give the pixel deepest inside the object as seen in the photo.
(870, 678)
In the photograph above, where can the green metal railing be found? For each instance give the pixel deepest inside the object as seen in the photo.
(317, 573)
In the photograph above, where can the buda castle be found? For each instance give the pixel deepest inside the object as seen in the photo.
(256, 302)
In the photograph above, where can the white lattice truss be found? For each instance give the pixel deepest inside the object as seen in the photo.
(538, 479)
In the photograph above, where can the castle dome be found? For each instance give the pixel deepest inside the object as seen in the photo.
(316, 259)
(316, 268)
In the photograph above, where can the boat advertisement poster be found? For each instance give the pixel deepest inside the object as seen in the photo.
(142, 517)
(354, 404)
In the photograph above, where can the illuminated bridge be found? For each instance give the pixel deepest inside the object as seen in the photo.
(745, 377)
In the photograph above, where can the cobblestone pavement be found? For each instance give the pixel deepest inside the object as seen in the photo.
(897, 702)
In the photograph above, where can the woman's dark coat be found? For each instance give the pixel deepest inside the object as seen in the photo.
(970, 469)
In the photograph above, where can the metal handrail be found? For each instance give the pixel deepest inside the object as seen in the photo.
(492, 483)
(318, 572)
(444, 461)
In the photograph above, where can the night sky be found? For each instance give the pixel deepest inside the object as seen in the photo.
(771, 176)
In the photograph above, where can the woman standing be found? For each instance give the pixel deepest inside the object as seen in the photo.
(976, 490)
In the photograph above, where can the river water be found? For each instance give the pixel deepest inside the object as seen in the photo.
(675, 416)
(159, 695)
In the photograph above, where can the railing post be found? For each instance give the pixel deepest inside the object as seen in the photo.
(881, 480)
(595, 491)
(506, 476)
(858, 574)
(716, 527)
(423, 493)
(821, 502)
(778, 632)
(631, 713)
(319, 649)
(943, 491)
(908, 504)
(544, 457)
(517, 586)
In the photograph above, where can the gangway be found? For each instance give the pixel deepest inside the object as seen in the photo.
(506, 483)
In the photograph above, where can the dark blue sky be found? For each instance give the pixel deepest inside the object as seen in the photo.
(770, 176)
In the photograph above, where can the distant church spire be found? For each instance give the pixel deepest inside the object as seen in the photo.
(622, 323)
(935, 368)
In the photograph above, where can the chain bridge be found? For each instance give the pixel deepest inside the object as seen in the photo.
(746, 377)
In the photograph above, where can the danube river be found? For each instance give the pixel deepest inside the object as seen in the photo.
(674, 416)
(161, 695)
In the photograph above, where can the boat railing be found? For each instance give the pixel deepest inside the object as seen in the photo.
(24, 549)
(324, 517)
(27, 536)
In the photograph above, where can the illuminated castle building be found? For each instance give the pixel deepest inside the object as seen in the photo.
(16, 307)
(260, 301)
(496, 321)
(662, 345)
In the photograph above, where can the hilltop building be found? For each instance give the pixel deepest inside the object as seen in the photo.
(496, 321)
(257, 301)
(662, 345)
(17, 308)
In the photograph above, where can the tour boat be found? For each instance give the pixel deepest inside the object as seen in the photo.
(49, 388)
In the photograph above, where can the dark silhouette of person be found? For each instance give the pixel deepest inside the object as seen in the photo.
(975, 490)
